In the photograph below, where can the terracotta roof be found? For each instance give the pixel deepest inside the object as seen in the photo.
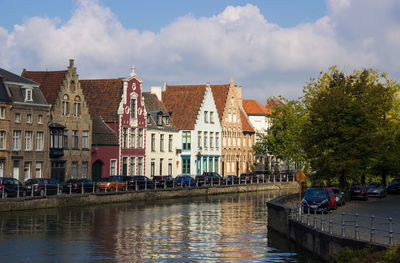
(273, 103)
(252, 107)
(153, 107)
(184, 102)
(50, 82)
(102, 134)
(103, 97)
(246, 126)
(220, 93)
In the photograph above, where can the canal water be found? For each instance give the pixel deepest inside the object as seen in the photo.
(221, 228)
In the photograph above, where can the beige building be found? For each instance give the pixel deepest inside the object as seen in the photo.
(70, 124)
(237, 132)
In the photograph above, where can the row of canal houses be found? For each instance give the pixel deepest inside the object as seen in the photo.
(53, 124)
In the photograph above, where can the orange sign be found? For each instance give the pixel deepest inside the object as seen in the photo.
(300, 177)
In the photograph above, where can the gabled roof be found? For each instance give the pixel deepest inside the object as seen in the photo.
(9, 76)
(246, 125)
(103, 97)
(102, 134)
(50, 82)
(220, 93)
(154, 107)
(252, 107)
(184, 102)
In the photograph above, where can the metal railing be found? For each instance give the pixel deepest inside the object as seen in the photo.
(370, 228)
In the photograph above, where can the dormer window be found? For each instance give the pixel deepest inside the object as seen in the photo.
(166, 120)
(159, 119)
(28, 94)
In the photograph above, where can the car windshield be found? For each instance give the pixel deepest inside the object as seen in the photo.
(336, 190)
(315, 193)
(105, 179)
(356, 187)
(373, 185)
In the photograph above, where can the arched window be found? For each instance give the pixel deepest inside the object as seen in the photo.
(77, 106)
(65, 105)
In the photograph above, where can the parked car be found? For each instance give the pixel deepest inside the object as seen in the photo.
(112, 183)
(376, 189)
(185, 180)
(209, 178)
(166, 180)
(231, 179)
(248, 178)
(139, 181)
(358, 191)
(315, 199)
(11, 187)
(340, 198)
(75, 185)
(393, 186)
(332, 199)
(42, 186)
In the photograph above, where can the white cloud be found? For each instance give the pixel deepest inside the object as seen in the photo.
(239, 42)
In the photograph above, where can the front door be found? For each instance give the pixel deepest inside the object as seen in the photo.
(58, 171)
(96, 171)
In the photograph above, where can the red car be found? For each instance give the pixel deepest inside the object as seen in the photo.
(332, 199)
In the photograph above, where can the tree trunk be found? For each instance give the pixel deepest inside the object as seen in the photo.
(384, 179)
(342, 181)
(363, 179)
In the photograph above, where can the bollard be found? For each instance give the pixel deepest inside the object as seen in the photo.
(280, 177)
(17, 190)
(226, 181)
(116, 187)
(343, 233)
(93, 186)
(356, 232)
(105, 189)
(31, 190)
(45, 189)
(126, 186)
(173, 184)
(70, 188)
(390, 231)
(372, 229)
(197, 182)
(145, 185)
(136, 186)
(212, 182)
(330, 223)
(82, 189)
(301, 215)
(165, 184)
(315, 218)
(322, 221)
(58, 189)
(308, 216)
(297, 211)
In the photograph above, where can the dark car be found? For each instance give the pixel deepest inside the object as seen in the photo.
(75, 185)
(376, 189)
(315, 200)
(185, 180)
(139, 182)
(340, 198)
(248, 178)
(231, 179)
(163, 181)
(11, 187)
(358, 191)
(209, 178)
(393, 186)
(42, 186)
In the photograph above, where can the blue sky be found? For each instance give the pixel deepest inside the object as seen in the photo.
(269, 47)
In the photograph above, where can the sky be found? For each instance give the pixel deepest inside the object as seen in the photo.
(269, 47)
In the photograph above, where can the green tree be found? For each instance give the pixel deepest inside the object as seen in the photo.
(347, 116)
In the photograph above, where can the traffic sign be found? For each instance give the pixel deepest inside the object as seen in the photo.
(300, 177)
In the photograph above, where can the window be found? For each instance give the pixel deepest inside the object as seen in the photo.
(28, 94)
(211, 140)
(113, 165)
(77, 106)
(152, 168)
(153, 142)
(16, 140)
(205, 140)
(199, 140)
(124, 137)
(74, 170)
(2, 168)
(170, 143)
(65, 135)
(2, 112)
(74, 140)
(40, 119)
(133, 136)
(186, 140)
(217, 140)
(206, 116)
(38, 170)
(133, 108)
(56, 138)
(84, 169)
(132, 166)
(211, 117)
(17, 117)
(159, 119)
(39, 140)
(161, 142)
(27, 170)
(85, 140)
(3, 140)
(170, 169)
(185, 164)
(29, 118)
(140, 138)
(65, 105)
(140, 166)
(166, 120)
(161, 163)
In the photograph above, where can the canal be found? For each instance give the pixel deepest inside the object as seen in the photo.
(220, 228)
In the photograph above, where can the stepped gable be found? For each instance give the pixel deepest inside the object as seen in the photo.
(102, 134)
(184, 103)
(246, 126)
(220, 93)
(103, 97)
(50, 82)
(252, 107)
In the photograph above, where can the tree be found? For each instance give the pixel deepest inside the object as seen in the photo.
(347, 116)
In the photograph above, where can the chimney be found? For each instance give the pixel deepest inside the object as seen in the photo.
(231, 82)
(157, 90)
(71, 63)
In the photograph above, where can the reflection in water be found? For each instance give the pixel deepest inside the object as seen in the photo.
(223, 228)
